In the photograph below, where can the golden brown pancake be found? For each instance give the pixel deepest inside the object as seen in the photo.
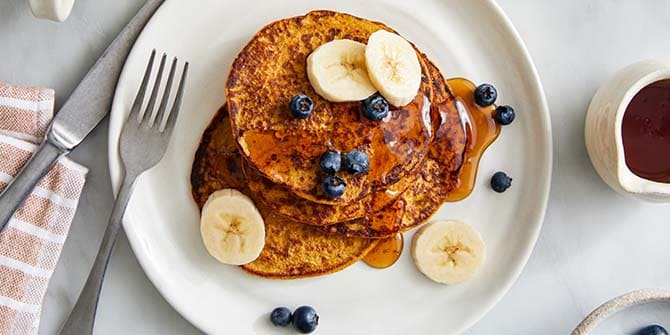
(284, 202)
(295, 250)
(218, 165)
(270, 70)
(442, 171)
(437, 177)
(292, 250)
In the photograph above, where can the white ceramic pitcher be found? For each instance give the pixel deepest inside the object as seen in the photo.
(603, 130)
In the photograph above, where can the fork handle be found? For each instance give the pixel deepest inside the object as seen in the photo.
(82, 317)
(17, 191)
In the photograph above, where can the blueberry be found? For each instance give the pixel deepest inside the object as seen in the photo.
(301, 106)
(331, 162)
(653, 330)
(281, 316)
(485, 95)
(305, 319)
(504, 115)
(375, 107)
(500, 182)
(333, 186)
(356, 162)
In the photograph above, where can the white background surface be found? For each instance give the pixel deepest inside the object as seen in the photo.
(594, 245)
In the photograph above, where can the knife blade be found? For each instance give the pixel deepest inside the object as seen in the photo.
(82, 112)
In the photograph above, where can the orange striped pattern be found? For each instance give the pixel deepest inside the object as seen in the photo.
(31, 256)
(25, 112)
(34, 94)
(12, 158)
(32, 242)
(18, 120)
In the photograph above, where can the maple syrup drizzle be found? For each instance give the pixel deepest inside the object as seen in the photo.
(283, 154)
(385, 253)
(481, 130)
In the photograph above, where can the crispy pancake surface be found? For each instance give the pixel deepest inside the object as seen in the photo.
(295, 250)
(287, 204)
(292, 250)
(271, 69)
(428, 187)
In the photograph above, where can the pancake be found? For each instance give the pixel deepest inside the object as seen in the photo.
(428, 188)
(270, 70)
(287, 204)
(438, 176)
(218, 164)
(284, 202)
(292, 250)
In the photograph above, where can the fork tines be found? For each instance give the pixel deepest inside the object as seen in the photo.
(166, 118)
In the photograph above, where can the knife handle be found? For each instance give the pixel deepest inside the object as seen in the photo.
(19, 189)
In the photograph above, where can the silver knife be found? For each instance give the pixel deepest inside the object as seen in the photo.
(87, 106)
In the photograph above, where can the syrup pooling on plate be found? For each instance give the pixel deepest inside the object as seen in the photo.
(385, 253)
(481, 129)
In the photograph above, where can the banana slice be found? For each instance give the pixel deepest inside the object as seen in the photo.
(448, 252)
(393, 67)
(232, 229)
(337, 71)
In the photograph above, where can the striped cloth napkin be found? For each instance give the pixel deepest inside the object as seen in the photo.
(31, 244)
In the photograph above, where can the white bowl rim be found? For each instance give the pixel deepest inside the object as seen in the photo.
(634, 298)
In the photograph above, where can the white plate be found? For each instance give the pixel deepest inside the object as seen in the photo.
(473, 39)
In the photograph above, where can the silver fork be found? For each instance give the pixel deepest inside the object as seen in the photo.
(142, 145)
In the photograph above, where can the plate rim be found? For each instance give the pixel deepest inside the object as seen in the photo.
(538, 216)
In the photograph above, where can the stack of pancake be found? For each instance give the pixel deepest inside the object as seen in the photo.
(254, 145)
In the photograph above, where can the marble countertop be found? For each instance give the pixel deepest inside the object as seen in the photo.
(595, 244)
